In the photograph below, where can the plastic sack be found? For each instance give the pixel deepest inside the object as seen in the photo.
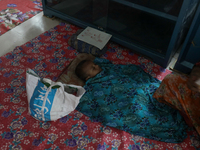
(48, 100)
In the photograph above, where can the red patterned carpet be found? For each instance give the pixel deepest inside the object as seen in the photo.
(14, 12)
(48, 55)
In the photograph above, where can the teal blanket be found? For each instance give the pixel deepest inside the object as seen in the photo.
(120, 96)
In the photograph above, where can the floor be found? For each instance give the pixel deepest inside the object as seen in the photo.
(29, 30)
(25, 32)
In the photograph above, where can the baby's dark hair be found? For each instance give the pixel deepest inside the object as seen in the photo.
(80, 71)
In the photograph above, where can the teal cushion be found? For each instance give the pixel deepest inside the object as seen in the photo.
(84, 47)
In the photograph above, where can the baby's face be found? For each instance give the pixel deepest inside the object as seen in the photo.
(91, 69)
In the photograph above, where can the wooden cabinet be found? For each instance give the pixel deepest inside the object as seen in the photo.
(154, 28)
(190, 52)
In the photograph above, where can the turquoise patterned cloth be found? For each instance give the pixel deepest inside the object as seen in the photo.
(120, 96)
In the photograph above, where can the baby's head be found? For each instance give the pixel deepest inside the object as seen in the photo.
(87, 69)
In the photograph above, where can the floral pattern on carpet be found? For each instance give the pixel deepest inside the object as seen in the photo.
(14, 12)
(48, 55)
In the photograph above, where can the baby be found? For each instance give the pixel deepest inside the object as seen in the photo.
(87, 69)
(121, 96)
